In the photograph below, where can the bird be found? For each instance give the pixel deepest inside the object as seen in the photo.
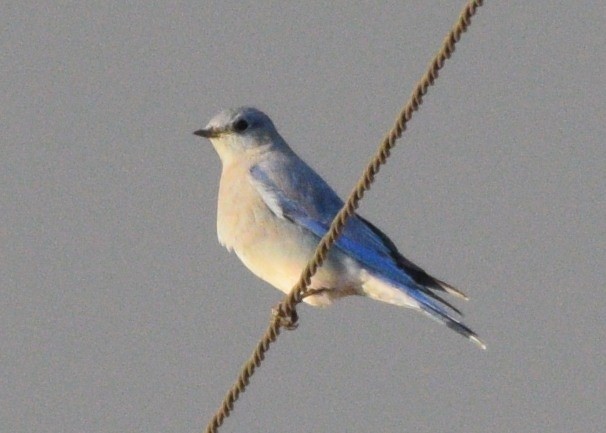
(273, 209)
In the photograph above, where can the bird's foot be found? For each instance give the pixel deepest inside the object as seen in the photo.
(289, 320)
(285, 320)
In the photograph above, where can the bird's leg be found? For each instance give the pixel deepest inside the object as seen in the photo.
(312, 292)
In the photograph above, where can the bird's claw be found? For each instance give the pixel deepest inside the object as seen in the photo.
(285, 320)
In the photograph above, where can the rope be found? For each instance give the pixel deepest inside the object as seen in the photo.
(285, 314)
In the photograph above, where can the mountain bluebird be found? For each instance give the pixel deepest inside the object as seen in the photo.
(273, 209)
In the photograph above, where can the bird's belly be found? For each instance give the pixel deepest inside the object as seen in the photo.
(279, 258)
(277, 250)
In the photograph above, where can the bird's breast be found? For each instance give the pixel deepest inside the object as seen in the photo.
(239, 208)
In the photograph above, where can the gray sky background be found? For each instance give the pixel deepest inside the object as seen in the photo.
(119, 310)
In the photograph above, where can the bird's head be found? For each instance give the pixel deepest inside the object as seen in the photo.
(241, 132)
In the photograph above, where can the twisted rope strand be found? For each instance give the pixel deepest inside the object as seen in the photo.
(287, 308)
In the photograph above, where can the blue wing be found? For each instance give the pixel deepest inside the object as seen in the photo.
(304, 198)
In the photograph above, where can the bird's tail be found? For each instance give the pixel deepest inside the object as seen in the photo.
(419, 299)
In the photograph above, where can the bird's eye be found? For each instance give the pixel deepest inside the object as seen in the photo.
(241, 125)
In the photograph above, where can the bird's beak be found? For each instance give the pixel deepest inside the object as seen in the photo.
(207, 133)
